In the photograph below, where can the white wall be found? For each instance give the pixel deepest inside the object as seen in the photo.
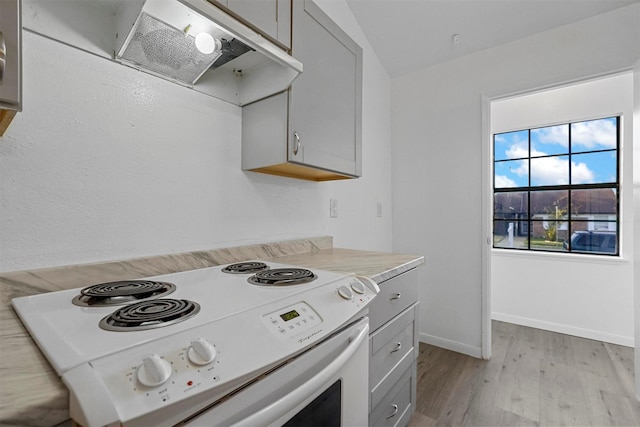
(109, 163)
(581, 295)
(437, 130)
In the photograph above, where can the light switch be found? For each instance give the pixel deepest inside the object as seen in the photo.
(379, 210)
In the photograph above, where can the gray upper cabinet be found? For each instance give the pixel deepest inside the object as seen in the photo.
(10, 61)
(313, 130)
(270, 17)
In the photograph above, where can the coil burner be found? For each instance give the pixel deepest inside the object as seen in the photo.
(149, 314)
(122, 292)
(245, 267)
(282, 277)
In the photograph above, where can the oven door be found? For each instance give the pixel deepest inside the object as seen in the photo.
(325, 386)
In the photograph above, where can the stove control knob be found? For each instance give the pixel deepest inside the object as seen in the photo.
(345, 292)
(358, 287)
(201, 352)
(154, 371)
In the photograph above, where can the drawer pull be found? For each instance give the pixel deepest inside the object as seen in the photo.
(395, 411)
(397, 347)
(396, 296)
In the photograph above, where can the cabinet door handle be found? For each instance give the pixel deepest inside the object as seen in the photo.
(3, 55)
(396, 296)
(397, 347)
(395, 411)
(296, 147)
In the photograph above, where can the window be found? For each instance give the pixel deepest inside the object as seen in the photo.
(556, 188)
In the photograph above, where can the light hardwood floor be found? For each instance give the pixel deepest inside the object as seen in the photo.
(534, 378)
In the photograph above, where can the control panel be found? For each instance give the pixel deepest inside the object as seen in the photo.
(292, 320)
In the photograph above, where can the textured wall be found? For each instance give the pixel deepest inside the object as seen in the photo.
(106, 162)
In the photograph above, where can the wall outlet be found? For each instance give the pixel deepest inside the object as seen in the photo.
(379, 210)
(333, 208)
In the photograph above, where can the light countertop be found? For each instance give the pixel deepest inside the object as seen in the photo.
(33, 395)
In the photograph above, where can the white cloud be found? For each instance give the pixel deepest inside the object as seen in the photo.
(549, 171)
(518, 150)
(593, 135)
(555, 171)
(552, 135)
(515, 139)
(504, 182)
(581, 174)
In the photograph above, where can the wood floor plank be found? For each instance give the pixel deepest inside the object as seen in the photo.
(438, 372)
(501, 418)
(480, 410)
(533, 378)
(607, 409)
(518, 389)
(598, 371)
(562, 399)
(419, 420)
(468, 380)
(556, 348)
(623, 364)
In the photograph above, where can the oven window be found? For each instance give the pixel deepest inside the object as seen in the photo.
(325, 410)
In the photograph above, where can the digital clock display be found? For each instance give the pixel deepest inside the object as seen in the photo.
(289, 315)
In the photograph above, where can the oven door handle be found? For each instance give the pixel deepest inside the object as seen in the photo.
(282, 406)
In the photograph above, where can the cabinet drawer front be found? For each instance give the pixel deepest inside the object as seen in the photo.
(390, 344)
(395, 407)
(395, 295)
(381, 389)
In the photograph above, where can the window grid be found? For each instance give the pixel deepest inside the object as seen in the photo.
(572, 221)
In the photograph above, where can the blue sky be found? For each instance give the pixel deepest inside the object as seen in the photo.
(586, 168)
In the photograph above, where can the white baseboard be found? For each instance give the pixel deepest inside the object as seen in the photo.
(564, 329)
(458, 347)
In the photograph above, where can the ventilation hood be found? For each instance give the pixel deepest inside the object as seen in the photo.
(190, 42)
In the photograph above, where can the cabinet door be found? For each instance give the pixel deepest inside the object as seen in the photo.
(10, 60)
(326, 99)
(272, 17)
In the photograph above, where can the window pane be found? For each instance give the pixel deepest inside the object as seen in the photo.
(510, 234)
(549, 226)
(511, 205)
(549, 204)
(511, 145)
(550, 171)
(594, 168)
(597, 203)
(548, 235)
(550, 140)
(593, 237)
(594, 135)
(512, 173)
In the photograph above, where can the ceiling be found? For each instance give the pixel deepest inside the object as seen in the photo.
(409, 35)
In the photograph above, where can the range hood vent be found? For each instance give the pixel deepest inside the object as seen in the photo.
(190, 42)
(163, 49)
(163, 38)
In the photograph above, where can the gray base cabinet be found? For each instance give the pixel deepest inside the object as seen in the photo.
(393, 351)
(313, 130)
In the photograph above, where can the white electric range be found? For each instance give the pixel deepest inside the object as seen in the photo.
(175, 348)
